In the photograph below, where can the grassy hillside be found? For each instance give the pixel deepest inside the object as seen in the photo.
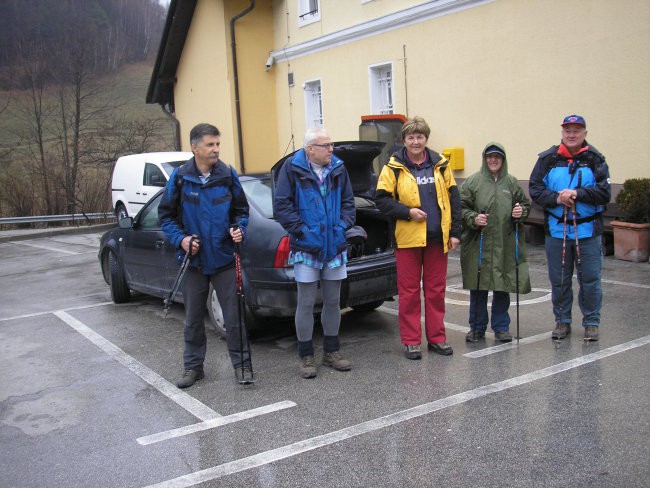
(124, 92)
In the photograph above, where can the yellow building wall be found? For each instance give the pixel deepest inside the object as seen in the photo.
(506, 70)
(202, 92)
(205, 85)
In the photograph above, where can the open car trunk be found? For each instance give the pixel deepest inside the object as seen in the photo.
(371, 234)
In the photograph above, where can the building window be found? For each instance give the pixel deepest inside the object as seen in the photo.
(313, 104)
(308, 11)
(381, 89)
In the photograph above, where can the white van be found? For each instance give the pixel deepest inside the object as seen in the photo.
(138, 177)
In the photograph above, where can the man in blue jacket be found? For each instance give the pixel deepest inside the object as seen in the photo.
(315, 205)
(203, 197)
(571, 182)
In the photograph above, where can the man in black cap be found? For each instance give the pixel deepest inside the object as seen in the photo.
(571, 182)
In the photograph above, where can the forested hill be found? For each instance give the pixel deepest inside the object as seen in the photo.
(106, 34)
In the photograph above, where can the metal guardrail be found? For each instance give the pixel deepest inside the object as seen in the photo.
(37, 219)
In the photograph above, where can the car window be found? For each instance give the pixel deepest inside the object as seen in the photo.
(169, 167)
(149, 216)
(153, 176)
(258, 192)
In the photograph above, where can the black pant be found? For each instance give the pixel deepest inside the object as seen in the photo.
(195, 295)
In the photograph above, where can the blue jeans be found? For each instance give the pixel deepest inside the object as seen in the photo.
(590, 295)
(478, 309)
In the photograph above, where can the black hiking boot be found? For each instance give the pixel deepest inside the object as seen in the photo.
(503, 336)
(561, 331)
(591, 333)
(474, 335)
(190, 376)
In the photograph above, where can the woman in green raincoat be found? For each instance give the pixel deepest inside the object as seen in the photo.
(492, 201)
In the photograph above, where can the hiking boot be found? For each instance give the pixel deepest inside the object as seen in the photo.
(244, 375)
(336, 361)
(307, 367)
(443, 348)
(503, 336)
(474, 335)
(591, 333)
(412, 351)
(561, 331)
(190, 376)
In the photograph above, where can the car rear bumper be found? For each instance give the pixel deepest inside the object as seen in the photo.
(273, 293)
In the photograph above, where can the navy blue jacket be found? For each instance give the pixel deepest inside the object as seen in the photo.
(316, 224)
(588, 174)
(189, 207)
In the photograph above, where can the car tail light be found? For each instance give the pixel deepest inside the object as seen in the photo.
(282, 254)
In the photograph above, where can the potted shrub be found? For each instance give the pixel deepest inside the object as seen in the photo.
(632, 232)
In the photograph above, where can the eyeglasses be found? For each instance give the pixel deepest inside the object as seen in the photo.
(327, 146)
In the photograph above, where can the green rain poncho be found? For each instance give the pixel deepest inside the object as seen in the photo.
(481, 191)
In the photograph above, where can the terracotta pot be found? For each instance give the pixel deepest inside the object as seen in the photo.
(631, 241)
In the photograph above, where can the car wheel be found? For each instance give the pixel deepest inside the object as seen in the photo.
(120, 212)
(120, 292)
(216, 321)
(368, 307)
(215, 313)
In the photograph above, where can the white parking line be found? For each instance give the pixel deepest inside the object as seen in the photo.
(189, 403)
(508, 345)
(47, 248)
(300, 447)
(211, 424)
(80, 307)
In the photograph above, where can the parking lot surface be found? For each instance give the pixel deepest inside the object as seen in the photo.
(87, 395)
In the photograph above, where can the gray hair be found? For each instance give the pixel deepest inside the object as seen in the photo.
(312, 135)
(200, 130)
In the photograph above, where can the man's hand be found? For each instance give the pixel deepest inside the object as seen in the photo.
(453, 243)
(417, 214)
(185, 244)
(567, 197)
(517, 211)
(236, 234)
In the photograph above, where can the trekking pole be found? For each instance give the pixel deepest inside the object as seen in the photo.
(578, 259)
(179, 276)
(241, 312)
(564, 216)
(478, 271)
(517, 272)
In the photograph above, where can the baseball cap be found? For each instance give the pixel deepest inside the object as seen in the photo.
(494, 150)
(574, 119)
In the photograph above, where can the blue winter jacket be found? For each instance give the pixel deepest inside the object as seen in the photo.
(189, 207)
(588, 174)
(316, 224)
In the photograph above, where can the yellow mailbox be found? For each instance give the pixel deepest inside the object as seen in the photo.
(456, 157)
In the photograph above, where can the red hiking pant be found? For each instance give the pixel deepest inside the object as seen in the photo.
(426, 266)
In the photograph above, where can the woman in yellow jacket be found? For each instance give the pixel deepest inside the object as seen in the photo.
(417, 190)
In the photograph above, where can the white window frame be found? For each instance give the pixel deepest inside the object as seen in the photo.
(308, 12)
(381, 86)
(313, 90)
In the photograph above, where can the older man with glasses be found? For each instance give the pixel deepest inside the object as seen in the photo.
(315, 204)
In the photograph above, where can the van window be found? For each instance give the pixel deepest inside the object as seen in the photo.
(153, 176)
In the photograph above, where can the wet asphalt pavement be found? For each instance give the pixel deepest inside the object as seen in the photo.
(87, 395)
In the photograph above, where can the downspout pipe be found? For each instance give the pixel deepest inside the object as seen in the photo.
(177, 127)
(236, 80)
